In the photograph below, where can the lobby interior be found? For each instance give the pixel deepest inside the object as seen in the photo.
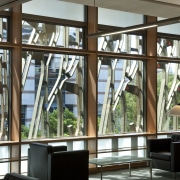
(97, 75)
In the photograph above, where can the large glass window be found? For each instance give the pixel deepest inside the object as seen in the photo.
(53, 95)
(168, 91)
(120, 96)
(38, 33)
(4, 94)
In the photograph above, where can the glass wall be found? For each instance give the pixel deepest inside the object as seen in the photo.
(120, 96)
(4, 94)
(55, 69)
(4, 82)
(55, 82)
(52, 95)
(168, 91)
(120, 86)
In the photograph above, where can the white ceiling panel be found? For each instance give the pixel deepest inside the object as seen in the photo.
(4, 4)
(84, 2)
(159, 8)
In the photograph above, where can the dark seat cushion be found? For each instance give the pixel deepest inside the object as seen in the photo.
(15, 176)
(161, 155)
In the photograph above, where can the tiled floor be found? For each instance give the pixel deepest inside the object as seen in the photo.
(136, 173)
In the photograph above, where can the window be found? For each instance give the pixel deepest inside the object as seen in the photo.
(120, 96)
(4, 94)
(3, 30)
(121, 43)
(44, 34)
(168, 88)
(168, 47)
(51, 84)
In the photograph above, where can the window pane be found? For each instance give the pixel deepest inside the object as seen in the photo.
(3, 30)
(54, 8)
(168, 47)
(37, 33)
(168, 88)
(4, 154)
(24, 155)
(121, 43)
(53, 95)
(120, 94)
(4, 94)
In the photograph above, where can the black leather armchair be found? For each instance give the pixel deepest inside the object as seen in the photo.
(165, 153)
(16, 176)
(51, 163)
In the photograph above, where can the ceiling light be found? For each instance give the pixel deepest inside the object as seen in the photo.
(130, 30)
(138, 27)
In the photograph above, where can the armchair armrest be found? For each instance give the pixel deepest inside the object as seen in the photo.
(157, 145)
(175, 156)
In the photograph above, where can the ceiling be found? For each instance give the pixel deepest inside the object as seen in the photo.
(4, 4)
(158, 8)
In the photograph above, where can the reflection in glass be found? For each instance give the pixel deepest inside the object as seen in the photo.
(37, 33)
(168, 48)
(120, 94)
(168, 88)
(121, 43)
(52, 95)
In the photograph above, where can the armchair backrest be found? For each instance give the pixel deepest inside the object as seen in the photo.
(38, 159)
(69, 165)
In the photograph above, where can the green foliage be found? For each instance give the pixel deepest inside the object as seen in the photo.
(69, 119)
(131, 111)
(131, 101)
(24, 132)
(53, 123)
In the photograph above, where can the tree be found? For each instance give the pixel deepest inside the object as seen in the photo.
(69, 119)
